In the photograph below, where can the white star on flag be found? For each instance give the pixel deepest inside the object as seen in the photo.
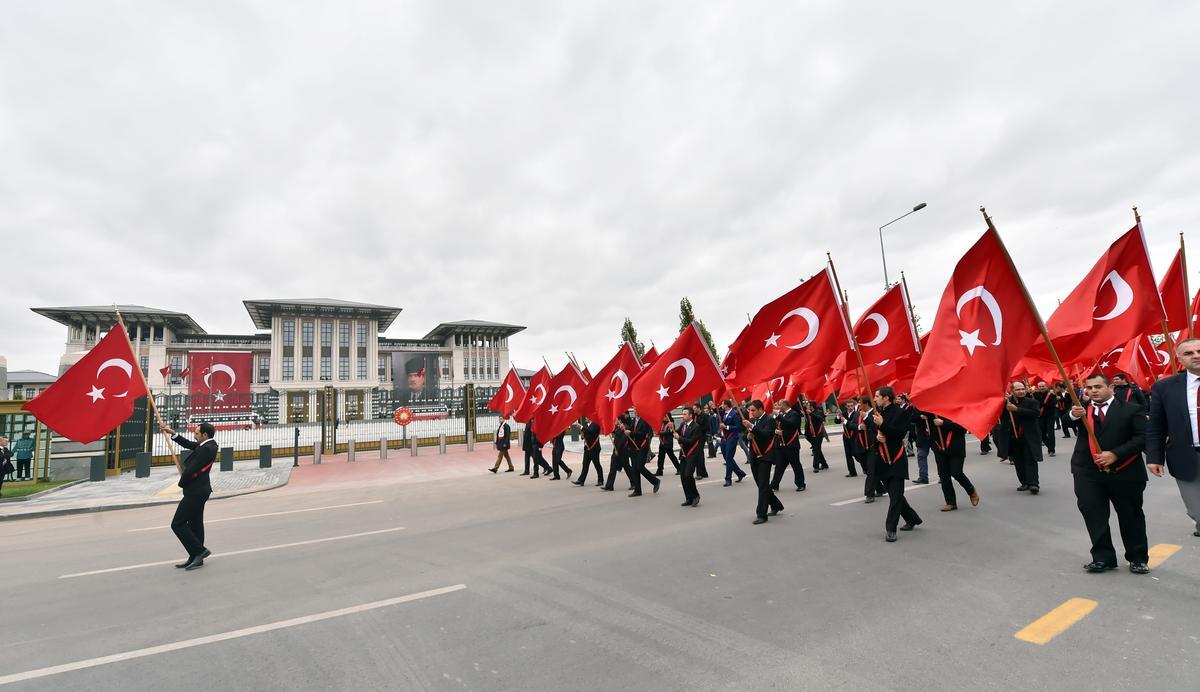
(971, 341)
(772, 340)
(553, 408)
(96, 393)
(219, 396)
(663, 392)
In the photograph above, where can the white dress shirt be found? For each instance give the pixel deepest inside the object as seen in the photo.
(1193, 384)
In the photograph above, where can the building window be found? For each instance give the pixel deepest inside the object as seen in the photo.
(362, 368)
(264, 369)
(288, 369)
(344, 334)
(76, 334)
(289, 333)
(176, 368)
(344, 368)
(327, 333)
(158, 334)
(144, 363)
(326, 368)
(361, 328)
(445, 362)
(29, 393)
(306, 333)
(383, 368)
(306, 368)
(466, 367)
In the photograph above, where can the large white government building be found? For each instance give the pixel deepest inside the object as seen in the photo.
(302, 346)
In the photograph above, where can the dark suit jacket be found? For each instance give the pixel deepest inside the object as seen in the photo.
(765, 448)
(1123, 433)
(895, 428)
(196, 465)
(591, 434)
(949, 440)
(789, 428)
(529, 441)
(1027, 417)
(502, 433)
(690, 437)
(1169, 430)
(639, 435)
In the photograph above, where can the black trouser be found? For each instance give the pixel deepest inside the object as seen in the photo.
(639, 471)
(873, 484)
(687, 477)
(591, 456)
(188, 523)
(950, 469)
(539, 462)
(897, 505)
(788, 456)
(848, 445)
(23, 468)
(556, 454)
(1064, 421)
(1024, 462)
(502, 455)
(819, 462)
(1094, 493)
(617, 462)
(1048, 433)
(766, 497)
(1002, 439)
(665, 451)
(701, 469)
(711, 440)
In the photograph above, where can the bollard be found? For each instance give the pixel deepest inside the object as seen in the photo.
(412, 445)
(350, 451)
(227, 458)
(264, 456)
(442, 443)
(143, 465)
(470, 442)
(383, 445)
(316, 452)
(96, 472)
(296, 450)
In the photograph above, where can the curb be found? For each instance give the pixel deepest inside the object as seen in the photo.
(41, 493)
(132, 505)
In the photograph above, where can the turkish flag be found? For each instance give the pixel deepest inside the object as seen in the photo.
(804, 329)
(224, 382)
(683, 373)
(649, 358)
(509, 396)
(1174, 294)
(609, 394)
(1143, 361)
(95, 395)
(165, 371)
(561, 407)
(1115, 302)
(770, 391)
(885, 330)
(982, 328)
(534, 397)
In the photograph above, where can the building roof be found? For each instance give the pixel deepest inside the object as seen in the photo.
(104, 317)
(261, 311)
(30, 377)
(525, 374)
(446, 329)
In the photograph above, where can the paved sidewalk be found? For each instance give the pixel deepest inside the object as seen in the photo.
(126, 491)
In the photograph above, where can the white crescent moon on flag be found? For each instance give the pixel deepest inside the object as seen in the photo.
(220, 367)
(814, 324)
(689, 369)
(570, 390)
(619, 375)
(539, 400)
(123, 365)
(989, 301)
(883, 330)
(771, 386)
(1163, 356)
(1124, 296)
(508, 388)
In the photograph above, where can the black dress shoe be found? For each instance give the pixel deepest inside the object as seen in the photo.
(760, 520)
(510, 470)
(890, 537)
(576, 482)
(1034, 490)
(525, 474)
(909, 526)
(1022, 488)
(1097, 566)
(658, 473)
(773, 512)
(869, 500)
(607, 489)
(197, 562)
(801, 488)
(696, 502)
(657, 486)
(727, 484)
(535, 476)
(185, 563)
(851, 475)
(1139, 568)
(634, 494)
(492, 470)
(1196, 533)
(921, 481)
(599, 484)
(739, 480)
(774, 488)
(686, 503)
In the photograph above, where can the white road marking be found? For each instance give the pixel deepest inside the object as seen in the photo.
(233, 552)
(224, 636)
(268, 514)
(908, 488)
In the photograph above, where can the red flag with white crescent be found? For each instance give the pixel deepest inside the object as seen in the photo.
(533, 398)
(509, 396)
(609, 393)
(683, 373)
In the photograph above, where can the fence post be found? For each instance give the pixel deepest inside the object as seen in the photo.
(470, 442)
(227, 458)
(350, 450)
(317, 453)
(412, 445)
(383, 445)
(296, 450)
(97, 470)
(143, 464)
(264, 456)
(442, 443)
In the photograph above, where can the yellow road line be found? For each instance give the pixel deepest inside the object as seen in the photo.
(1057, 621)
(1160, 553)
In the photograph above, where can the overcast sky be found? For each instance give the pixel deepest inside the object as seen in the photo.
(562, 165)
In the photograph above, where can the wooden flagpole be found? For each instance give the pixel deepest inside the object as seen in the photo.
(1187, 293)
(1062, 371)
(912, 315)
(149, 395)
(1163, 322)
(854, 340)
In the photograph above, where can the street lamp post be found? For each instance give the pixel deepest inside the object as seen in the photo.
(883, 256)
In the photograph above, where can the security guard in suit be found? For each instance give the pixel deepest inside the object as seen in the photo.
(188, 523)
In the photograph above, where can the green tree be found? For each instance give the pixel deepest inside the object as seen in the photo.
(688, 316)
(629, 334)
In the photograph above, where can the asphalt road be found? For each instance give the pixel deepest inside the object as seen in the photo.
(518, 584)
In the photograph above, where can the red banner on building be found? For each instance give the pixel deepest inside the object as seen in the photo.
(220, 382)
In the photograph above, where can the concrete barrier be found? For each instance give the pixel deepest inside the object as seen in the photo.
(226, 458)
(264, 456)
(350, 451)
(143, 464)
(96, 470)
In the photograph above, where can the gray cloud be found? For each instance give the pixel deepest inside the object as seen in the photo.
(563, 165)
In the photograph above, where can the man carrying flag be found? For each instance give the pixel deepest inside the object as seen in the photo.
(188, 523)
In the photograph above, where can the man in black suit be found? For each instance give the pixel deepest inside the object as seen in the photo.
(760, 435)
(533, 452)
(1172, 439)
(949, 442)
(1048, 413)
(557, 447)
(640, 433)
(691, 448)
(1020, 414)
(188, 523)
(1112, 473)
(1128, 392)
(502, 445)
(814, 432)
(788, 421)
(666, 445)
(591, 451)
(6, 465)
(849, 421)
(619, 461)
(887, 426)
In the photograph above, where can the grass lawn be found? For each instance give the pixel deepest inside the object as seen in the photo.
(23, 488)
